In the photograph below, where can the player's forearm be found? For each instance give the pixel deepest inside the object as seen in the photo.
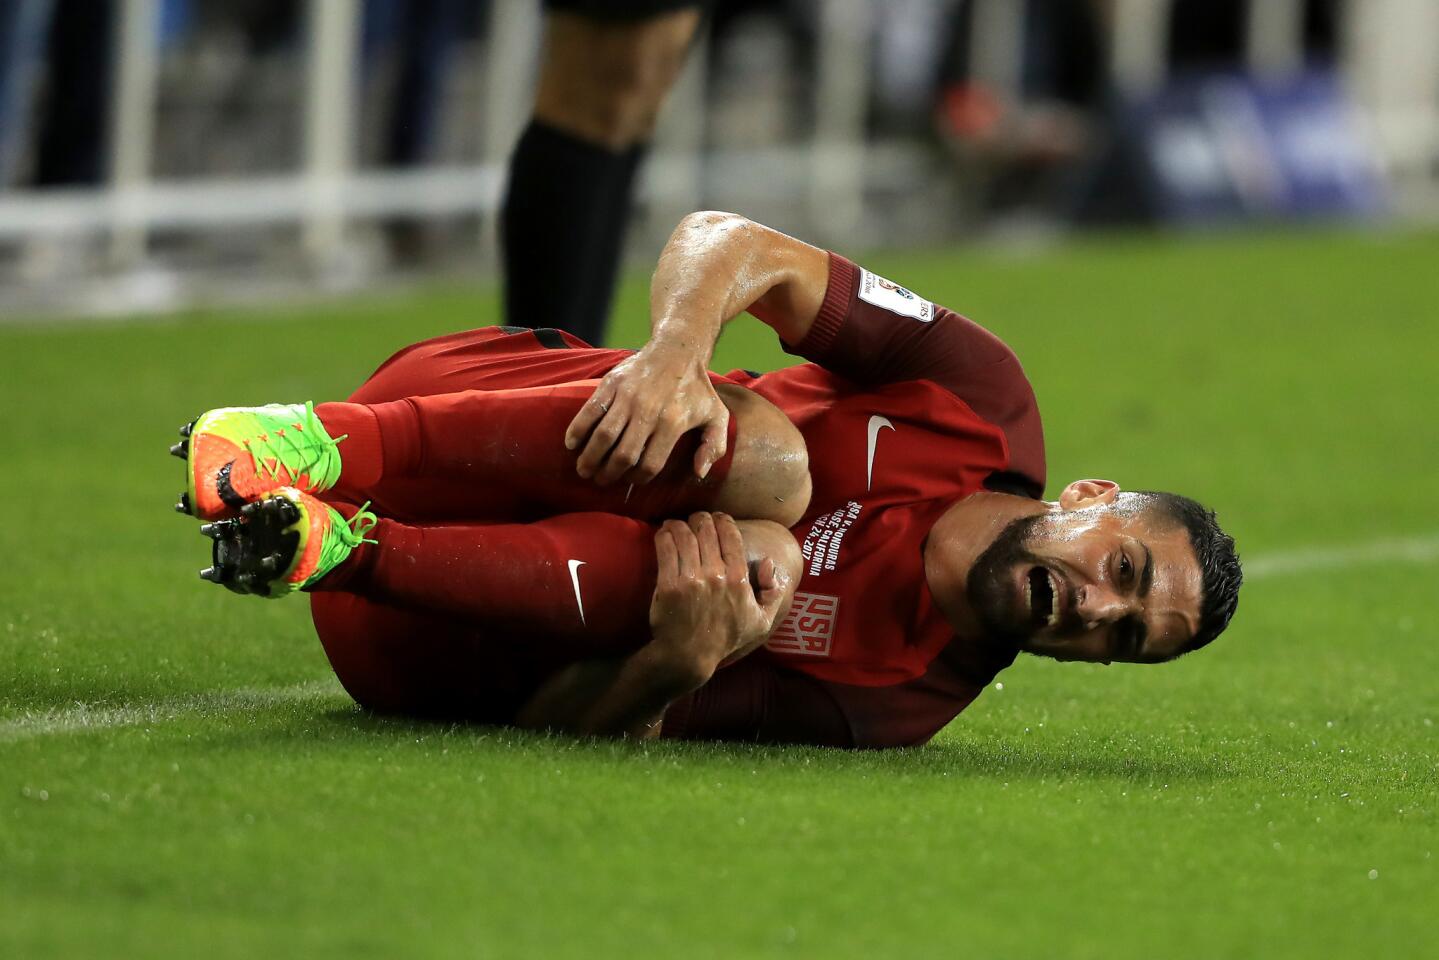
(717, 265)
(614, 698)
(648, 681)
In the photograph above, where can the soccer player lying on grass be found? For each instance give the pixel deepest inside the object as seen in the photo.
(477, 530)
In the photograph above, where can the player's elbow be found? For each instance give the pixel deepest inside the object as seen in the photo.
(709, 226)
(709, 219)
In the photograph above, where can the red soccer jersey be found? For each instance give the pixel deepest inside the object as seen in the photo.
(905, 408)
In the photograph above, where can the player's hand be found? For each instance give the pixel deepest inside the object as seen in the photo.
(704, 605)
(630, 425)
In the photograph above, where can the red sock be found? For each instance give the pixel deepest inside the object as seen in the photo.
(497, 455)
(580, 581)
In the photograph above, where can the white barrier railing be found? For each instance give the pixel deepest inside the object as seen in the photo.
(1401, 98)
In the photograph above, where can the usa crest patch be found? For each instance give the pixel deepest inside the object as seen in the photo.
(807, 630)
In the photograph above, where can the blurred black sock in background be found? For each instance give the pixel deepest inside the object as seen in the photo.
(73, 136)
(562, 230)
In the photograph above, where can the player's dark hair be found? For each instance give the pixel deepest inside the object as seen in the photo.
(1220, 573)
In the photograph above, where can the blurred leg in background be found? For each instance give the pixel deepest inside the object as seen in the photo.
(1018, 117)
(24, 28)
(67, 43)
(604, 73)
(72, 132)
(56, 60)
(420, 35)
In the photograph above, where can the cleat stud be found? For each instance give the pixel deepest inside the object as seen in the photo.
(178, 450)
(271, 563)
(183, 505)
(212, 574)
(220, 529)
(185, 430)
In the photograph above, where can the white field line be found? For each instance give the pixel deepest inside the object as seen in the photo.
(1374, 553)
(83, 717)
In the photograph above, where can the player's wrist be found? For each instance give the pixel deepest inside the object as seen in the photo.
(684, 335)
(674, 669)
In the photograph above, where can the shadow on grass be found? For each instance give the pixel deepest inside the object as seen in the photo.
(1073, 757)
(961, 753)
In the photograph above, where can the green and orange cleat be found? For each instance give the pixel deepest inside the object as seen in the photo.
(235, 454)
(282, 542)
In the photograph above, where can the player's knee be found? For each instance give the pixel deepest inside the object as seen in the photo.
(769, 476)
(767, 539)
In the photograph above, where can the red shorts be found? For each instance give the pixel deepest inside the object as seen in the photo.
(401, 661)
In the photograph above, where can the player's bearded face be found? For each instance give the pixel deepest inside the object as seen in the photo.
(1099, 583)
(1008, 614)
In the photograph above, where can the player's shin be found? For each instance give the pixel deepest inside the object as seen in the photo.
(579, 583)
(498, 454)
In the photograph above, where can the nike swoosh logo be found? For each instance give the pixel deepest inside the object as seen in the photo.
(876, 424)
(575, 579)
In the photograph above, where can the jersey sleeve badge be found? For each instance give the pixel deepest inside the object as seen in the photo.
(888, 295)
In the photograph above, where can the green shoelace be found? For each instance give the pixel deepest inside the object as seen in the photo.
(317, 457)
(343, 537)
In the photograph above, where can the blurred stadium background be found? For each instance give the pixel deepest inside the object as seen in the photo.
(263, 199)
(155, 153)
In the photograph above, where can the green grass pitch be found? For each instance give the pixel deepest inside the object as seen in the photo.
(181, 776)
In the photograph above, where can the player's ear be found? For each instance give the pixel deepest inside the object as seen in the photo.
(1088, 493)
